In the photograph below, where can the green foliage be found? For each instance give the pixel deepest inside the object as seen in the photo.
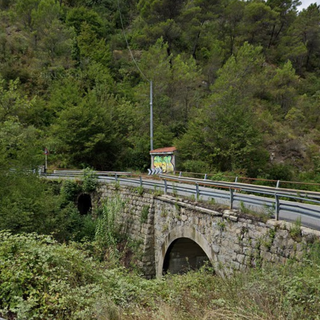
(75, 227)
(140, 190)
(221, 225)
(90, 180)
(157, 192)
(144, 214)
(70, 190)
(227, 128)
(107, 234)
(295, 230)
(232, 82)
(79, 17)
(197, 166)
(40, 278)
(279, 172)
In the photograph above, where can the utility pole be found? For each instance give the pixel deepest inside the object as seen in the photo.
(151, 118)
(46, 152)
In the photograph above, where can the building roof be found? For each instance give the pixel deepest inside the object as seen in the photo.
(164, 150)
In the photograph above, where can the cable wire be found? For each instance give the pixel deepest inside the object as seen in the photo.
(125, 37)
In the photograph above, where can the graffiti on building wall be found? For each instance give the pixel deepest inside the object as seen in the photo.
(164, 162)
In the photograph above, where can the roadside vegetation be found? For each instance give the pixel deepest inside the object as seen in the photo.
(42, 279)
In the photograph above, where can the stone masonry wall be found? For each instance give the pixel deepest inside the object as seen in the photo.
(136, 220)
(237, 242)
(231, 240)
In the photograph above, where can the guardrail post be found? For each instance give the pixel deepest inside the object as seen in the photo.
(277, 207)
(205, 177)
(236, 179)
(197, 191)
(180, 174)
(116, 177)
(165, 186)
(231, 198)
(140, 181)
(278, 182)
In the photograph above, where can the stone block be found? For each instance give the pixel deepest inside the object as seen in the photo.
(240, 258)
(216, 248)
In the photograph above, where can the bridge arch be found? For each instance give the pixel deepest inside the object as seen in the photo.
(191, 237)
(84, 203)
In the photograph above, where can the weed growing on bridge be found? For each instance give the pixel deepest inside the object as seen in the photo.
(295, 230)
(157, 192)
(256, 215)
(222, 225)
(164, 213)
(165, 227)
(144, 214)
(140, 190)
(269, 238)
(174, 190)
(116, 186)
(270, 210)
(107, 230)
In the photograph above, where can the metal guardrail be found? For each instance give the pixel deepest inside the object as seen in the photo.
(233, 194)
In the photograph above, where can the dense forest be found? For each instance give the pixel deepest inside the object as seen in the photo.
(235, 84)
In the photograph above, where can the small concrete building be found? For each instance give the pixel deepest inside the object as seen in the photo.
(164, 158)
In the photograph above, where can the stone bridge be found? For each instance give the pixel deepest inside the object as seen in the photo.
(175, 234)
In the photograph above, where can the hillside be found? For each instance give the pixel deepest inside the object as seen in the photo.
(235, 84)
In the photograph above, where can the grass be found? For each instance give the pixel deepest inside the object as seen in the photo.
(274, 292)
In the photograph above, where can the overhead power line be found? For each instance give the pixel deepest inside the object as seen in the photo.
(143, 75)
(125, 37)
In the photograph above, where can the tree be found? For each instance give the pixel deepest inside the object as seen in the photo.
(155, 11)
(229, 135)
(283, 88)
(12, 102)
(257, 23)
(76, 17)
(91, 131)
(27, 204)
(230, 25)
(184, 88)
(306, 28)
(176, 81)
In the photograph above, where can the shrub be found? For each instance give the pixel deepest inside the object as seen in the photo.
(41, 279)
(107, 233)
(196, 166)
(69, 191)
(90, 180)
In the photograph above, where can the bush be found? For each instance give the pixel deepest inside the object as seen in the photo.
(90, 180)
(196, 166)
(279, 172)
(40, 279)
(69, 191)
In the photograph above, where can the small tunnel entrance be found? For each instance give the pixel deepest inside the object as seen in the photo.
(184, 255)
(84, 203)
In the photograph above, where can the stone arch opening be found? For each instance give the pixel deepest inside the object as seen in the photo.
(184, 255)
(183, 236)
(84, 203)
